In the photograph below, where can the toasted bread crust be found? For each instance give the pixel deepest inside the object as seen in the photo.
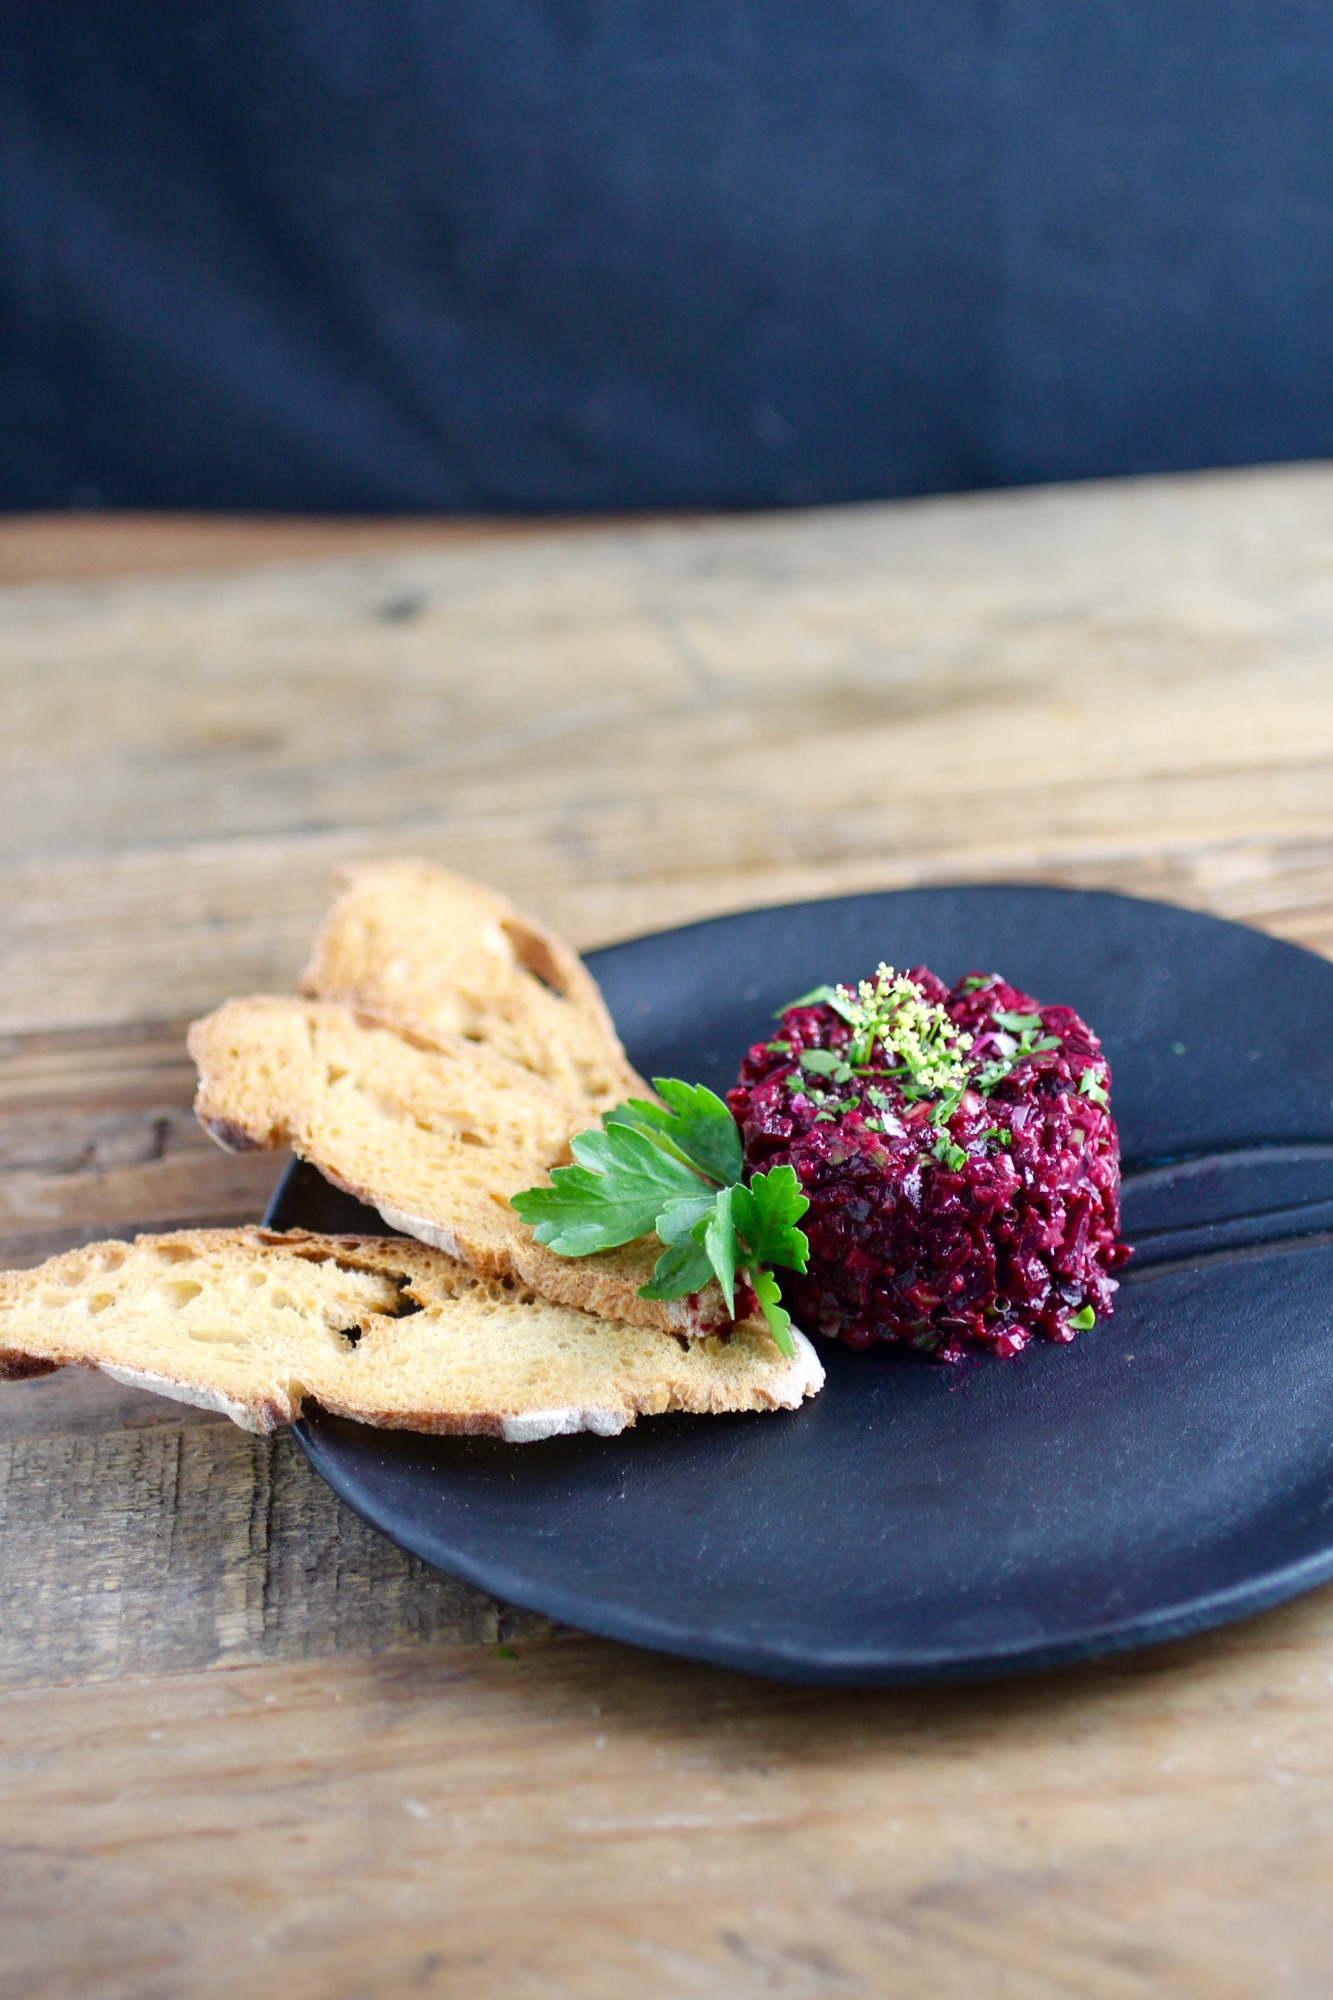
(254, 1322)
(23, 1367)
(437, 1139)
(437, 956)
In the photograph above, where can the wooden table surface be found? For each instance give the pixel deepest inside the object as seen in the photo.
(246, 1746)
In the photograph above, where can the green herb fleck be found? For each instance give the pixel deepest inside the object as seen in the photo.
(946, 1107)
(976, 980)
(822, 1062)
(1088, 1086)
(819, 996)
(1083, 1320)
(1016, 1023)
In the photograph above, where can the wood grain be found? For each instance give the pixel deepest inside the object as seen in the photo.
(246, 1744)
(578, 1819)
(78, 547)
(98, 1138)
(162, 1548)
(1123, 684)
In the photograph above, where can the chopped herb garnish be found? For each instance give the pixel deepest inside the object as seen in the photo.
(976, 980)
(946, 1107)
(819, 996)
(1083, 1320)
(1088, 1086)
(1027, 1047)
(1030, 1043)
(778, 1048)
(823, 1062)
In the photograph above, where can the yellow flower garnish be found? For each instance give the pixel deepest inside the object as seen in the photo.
(891, 1009)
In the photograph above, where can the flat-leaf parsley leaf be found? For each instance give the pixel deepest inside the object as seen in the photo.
(691, 1122)
(619, 1187)
(676, 1168)
(766, 1215)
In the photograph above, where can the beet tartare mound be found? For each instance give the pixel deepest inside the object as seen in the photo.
(960, 1159)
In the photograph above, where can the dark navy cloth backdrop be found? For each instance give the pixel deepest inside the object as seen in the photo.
(544, 254)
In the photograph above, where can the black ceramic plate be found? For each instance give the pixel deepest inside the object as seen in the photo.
(1170, 1470)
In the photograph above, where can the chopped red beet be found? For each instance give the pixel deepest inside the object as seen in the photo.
(981, 1224)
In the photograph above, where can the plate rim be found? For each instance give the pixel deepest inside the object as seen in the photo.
(773, 1661)
(999, 885)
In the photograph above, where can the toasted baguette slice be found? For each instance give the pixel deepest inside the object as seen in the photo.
(438, 956)
(436, 1139)
(384, 1330)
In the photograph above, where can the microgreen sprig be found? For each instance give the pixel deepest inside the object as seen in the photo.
(927, 1048)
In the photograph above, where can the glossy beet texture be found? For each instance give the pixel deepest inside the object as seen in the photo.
(985, 1228)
